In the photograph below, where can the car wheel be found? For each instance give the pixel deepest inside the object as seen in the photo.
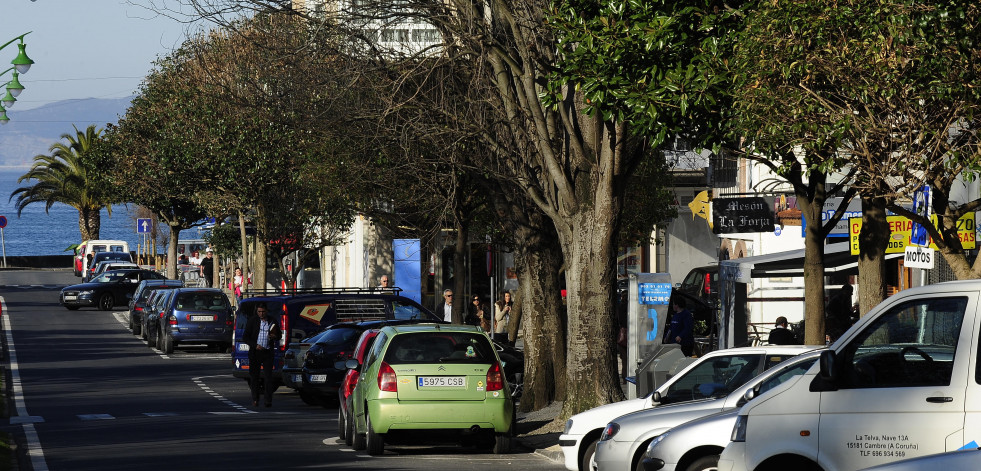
(341, 424)
(638, 462)
(705, 463)
(502, 441)
(72, 308)
(357, 439)
(106, 302)
(135, 327)
(349, 437)
(168, 343)
(151, 339)
(587, 456)
(374, 441)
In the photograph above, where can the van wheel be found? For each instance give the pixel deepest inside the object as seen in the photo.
(705, 463)
(106, 302)
(587, 456)
(375, 442)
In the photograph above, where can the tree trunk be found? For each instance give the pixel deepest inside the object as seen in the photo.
(538, 261)
(872, 242)
(460, 272)
(89, 221)
(245, 248)
(589, 250)
(811, 204)
(172, 252)
(260, 265)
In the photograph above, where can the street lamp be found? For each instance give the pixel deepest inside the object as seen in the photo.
(21, 64)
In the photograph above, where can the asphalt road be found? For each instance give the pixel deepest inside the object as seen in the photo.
(84, 393)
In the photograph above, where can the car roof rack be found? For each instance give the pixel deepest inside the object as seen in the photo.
(255, 293)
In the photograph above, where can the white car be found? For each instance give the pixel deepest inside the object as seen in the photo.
(582, 431)
(696, 445)
(626, 438)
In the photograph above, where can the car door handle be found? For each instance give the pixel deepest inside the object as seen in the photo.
(939, 399)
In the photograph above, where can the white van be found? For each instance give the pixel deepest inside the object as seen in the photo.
(95, 246)
(902, 382)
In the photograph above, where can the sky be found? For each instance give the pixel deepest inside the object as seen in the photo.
(86, 48)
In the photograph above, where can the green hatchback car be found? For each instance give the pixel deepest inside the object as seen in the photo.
(446, 380)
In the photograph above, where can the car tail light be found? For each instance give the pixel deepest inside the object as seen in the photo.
(387, 381)
(137, 308)
(350, 382)
(284, 323)
(708, 283)
(172, 320)
(495, 380)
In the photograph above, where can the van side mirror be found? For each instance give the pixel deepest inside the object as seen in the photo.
(828, 371)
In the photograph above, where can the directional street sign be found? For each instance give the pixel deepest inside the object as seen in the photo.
(143, 226)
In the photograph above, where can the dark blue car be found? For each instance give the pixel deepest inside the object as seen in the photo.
(195, 316)
(306, 313)
(108, 290)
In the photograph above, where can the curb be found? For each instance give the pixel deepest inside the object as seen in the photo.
(553, 453)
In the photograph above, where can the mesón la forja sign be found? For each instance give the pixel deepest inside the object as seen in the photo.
(901, 227)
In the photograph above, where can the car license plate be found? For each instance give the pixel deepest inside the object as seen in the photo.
(442, 381)
(69, 297)
(202, 318)
(297, 379)
(243, 347)
(318, 378)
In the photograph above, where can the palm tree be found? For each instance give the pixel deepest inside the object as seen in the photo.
(63, 177)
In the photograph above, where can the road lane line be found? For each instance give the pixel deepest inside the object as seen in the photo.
(34, 450)
(240, 408)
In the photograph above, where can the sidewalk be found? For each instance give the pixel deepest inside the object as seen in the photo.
(537, 432)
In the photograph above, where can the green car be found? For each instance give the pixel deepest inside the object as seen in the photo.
(445, 380)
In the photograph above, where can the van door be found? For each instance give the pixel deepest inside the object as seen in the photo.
(901, 384)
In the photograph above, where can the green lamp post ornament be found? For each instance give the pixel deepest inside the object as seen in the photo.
(21, 64)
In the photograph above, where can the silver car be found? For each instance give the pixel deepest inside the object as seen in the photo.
(696, 445)
(625, 439)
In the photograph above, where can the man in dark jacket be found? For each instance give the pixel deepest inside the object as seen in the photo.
(682, 328)
(262, 335)
(781, 335)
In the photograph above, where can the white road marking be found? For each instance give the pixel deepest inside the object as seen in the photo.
(34, 450)
(240, 408)
(96, 417)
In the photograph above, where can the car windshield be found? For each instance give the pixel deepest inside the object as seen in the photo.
(439, 347)
(202, 301)
(339, 336)
(110, 277)
(716, 377)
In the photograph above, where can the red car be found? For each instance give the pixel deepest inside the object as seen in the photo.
(345, 428)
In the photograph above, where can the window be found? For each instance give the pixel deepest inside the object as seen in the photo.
(787, 373)
(716, 377)
(911, 345)
(424, 36)
(439, 347)
(404, 311)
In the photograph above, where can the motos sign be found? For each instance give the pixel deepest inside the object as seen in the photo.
(900, 228)
(918, 257)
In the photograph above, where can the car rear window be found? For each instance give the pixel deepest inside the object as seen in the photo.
(201, 302)
(339, 337)
(439, 347)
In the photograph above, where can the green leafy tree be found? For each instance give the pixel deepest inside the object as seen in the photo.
(65, 176)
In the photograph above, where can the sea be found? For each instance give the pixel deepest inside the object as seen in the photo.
(52, 232)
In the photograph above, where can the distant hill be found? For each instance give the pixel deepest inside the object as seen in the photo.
(31, 132)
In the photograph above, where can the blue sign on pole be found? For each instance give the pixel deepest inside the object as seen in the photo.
(653, 293)
(143, 225)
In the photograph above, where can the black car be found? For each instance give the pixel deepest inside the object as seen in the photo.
(323, 368)
(104, 257)
(108, 290)
(138, 303)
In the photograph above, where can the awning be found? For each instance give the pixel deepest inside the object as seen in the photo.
(837, 259)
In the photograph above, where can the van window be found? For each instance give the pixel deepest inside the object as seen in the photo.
(716, 377)
(405, 311)
(912, 344)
